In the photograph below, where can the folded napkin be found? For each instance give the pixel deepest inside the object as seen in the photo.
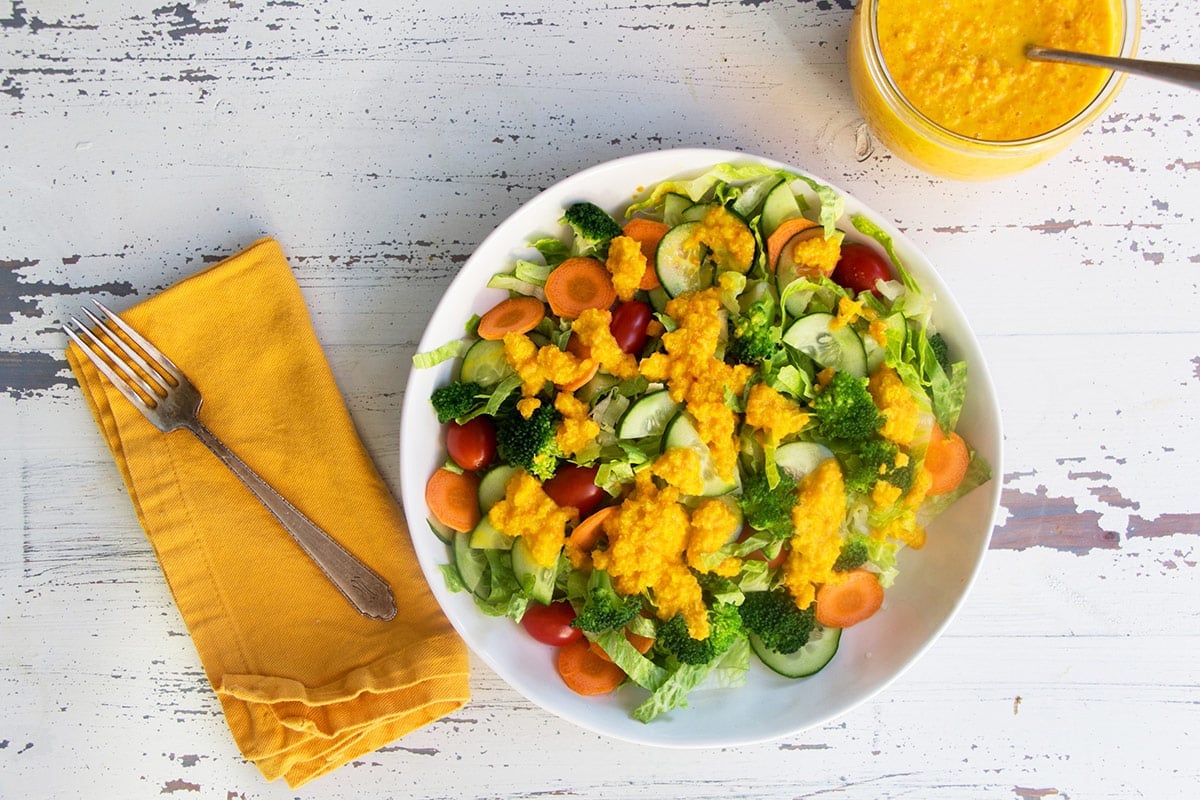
(305, 681)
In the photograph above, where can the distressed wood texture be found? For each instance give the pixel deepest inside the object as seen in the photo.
(379, 142)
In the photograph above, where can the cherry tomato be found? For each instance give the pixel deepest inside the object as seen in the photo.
(628, 325)
(472, 445)
(575, 486)
(860, 266)
(551, 624)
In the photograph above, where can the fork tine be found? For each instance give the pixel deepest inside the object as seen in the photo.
(130, 354)
(166, 364)
(116, 379)
(121, 364)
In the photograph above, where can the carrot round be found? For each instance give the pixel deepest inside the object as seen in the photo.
(578, 284)
(586, 673)
(648, 233)
(640, 643)
(453, 499)
(514, 315)
(946, 461)
(782, 235)
(587, 533)
(577, 348)
(849, 601)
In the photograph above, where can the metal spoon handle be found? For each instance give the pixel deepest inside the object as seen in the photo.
(1181, 74)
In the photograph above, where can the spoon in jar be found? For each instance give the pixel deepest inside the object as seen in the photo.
(1182, 74)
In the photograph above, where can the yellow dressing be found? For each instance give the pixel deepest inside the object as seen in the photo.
(527, 511)
(962, 62)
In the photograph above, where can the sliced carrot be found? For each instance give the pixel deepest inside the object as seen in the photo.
(946, 461)
(586, 673)
(849, 601)
(577, 348)
(453, 499)
(578, 284)
(514, 315)
(648, 233)
(781, 235)
(587, 533)
(640, 643)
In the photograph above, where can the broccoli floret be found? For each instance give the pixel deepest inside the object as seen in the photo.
(941, 351)
(774, 618)
(726, 625)
(875, 460)
(753, 339)
(767, 509)
(529, 443)
(593, 227)
(604, 609)
(845, 410)
(854, 554)
(455, 400)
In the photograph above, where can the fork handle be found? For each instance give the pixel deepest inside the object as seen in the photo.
(365, 590)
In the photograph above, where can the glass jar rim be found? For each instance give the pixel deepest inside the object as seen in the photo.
(1131, 14)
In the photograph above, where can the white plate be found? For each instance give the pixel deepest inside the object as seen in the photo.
(932, 582)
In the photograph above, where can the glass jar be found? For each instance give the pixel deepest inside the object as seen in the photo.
(923, 143)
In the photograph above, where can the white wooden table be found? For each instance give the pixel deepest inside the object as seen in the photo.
(379, 144)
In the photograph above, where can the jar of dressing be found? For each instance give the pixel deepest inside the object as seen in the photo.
(946, 86)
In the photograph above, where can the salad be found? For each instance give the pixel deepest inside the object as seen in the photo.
(696, 434)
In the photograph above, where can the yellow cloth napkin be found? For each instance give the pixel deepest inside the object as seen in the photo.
(306, 683)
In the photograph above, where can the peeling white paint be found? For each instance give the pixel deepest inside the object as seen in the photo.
(379, 144)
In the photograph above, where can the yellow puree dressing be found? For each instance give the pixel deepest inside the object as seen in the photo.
(962, 63)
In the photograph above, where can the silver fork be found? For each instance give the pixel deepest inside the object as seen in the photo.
(168, 399)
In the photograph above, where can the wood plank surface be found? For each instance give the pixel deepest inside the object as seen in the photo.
(380, 143)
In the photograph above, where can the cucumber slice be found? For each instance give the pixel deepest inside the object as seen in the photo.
(683, 264)
(537, 581)
(698, 211)
(444, 534)
(492, 486)
(487, 536)
(681, 432)
(471, 563)
(808, 660)
(754, 194)
(674, 204)
(484, 363)
(841, 349)
(800, 458)
(781, 205)
(648, 416)
(680, 263)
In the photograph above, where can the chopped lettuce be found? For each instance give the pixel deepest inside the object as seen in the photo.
(554, 251)
(439, 354)
(641, 670)
(697, 188)
(727, 671)
(833, 205)
(512, 283)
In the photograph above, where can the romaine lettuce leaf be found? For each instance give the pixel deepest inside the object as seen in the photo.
(439, 354)
(727, 671)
